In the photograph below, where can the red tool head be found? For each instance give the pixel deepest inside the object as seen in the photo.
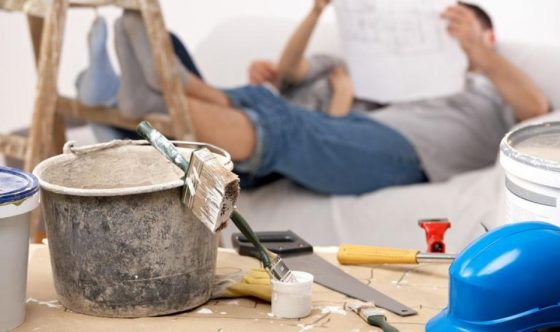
(435, 232)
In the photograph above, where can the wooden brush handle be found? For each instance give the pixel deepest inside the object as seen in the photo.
(349, 254)
(162, 144)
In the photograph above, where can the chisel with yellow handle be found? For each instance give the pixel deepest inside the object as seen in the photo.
(349, 254)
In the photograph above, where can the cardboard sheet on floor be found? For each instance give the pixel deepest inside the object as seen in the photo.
(423, 287)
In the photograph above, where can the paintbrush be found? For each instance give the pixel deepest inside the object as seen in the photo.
(211, 191)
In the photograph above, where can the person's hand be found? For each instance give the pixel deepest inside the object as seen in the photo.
(464, 26)
(341, 101)
(320, 5)
(263, 71)
(340, 80)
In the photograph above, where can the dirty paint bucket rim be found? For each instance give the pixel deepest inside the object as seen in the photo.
(508, 145)
(60, 189)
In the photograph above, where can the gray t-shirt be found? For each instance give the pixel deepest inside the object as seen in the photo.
(453, 134)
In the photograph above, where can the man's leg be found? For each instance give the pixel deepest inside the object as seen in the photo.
(138, 39)
(223, 126)
(345, 155)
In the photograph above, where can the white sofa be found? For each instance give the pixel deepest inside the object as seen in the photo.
(387, 217)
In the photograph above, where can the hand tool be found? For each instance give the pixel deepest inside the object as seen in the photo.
(211, 191)
(298, 255)
(349, 254)
(372, 315)
(435, 231)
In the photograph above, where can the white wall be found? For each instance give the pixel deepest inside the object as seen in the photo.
(519, 20)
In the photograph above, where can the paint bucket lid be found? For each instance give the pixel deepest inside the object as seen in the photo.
(16, 186)
(535, 146)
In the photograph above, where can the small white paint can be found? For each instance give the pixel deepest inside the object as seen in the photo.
(530, 156)
(18, 196)
(292, 299)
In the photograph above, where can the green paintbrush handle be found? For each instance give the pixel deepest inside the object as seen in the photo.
(381, 321)
(246, 230)
(167, 148)
(162, 144)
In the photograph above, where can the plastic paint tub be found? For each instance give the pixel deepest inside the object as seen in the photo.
(18, 196)
(292, 299)
(530, 156)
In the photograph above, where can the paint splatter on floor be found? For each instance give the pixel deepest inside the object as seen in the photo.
(204, 311)
(51, 304)
(333, 310)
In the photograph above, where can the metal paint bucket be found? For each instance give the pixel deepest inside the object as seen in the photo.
(122, 244)
(530, 156)
(18, 197)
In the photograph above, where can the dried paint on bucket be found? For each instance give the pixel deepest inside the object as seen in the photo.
(122, 243)
(530, 156)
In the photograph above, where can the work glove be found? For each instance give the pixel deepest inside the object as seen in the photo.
(255, 283)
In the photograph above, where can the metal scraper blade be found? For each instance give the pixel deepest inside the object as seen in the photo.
(330, 276)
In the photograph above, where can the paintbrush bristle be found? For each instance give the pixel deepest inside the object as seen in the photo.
(215, 189)
(279, 270)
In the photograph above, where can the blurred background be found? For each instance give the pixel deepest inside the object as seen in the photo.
(527, 22)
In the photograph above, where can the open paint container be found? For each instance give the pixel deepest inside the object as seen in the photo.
(292, 299)
(530, 156)
(18, 197)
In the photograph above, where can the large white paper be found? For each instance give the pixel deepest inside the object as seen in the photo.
(400, 50)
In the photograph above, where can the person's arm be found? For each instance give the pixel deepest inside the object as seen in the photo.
(292, 66)
(343, 93)
(515, 87)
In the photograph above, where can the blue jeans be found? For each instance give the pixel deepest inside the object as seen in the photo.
(331, 155)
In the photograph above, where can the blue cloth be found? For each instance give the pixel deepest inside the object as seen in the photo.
(331, 155)
(184, 56)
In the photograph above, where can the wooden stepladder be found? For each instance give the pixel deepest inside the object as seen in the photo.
(47, 129)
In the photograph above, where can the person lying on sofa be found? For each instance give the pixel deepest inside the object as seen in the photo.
(348, 152)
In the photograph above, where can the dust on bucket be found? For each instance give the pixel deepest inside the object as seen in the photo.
(530, 156)
(121, 242)
(18, 196)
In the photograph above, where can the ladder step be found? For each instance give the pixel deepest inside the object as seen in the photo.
(69, 107)
(13, 146)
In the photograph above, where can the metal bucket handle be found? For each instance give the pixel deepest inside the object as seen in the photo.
(70, 147)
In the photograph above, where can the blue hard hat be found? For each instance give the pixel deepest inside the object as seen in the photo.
(508, 280)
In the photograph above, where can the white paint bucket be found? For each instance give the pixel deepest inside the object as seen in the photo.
(18, 196)
(530, 156)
